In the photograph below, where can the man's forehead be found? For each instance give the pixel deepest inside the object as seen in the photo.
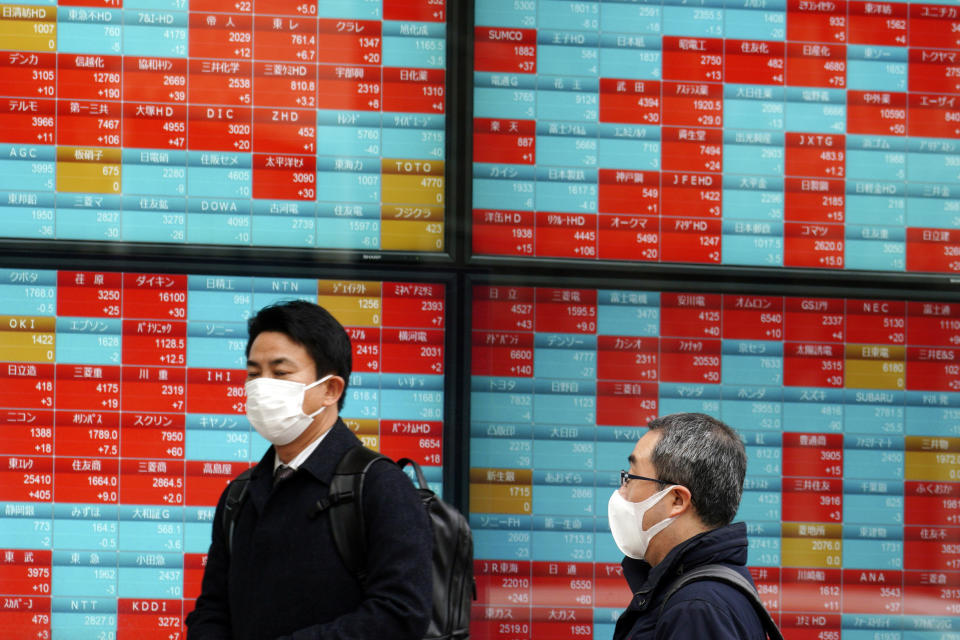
(644, 447)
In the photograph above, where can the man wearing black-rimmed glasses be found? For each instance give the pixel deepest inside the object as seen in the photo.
(671, 515)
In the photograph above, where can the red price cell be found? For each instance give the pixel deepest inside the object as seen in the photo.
(26, 385)
(415, 10)
(690, 240)
(930, 593)
(286, 39)
(86, 387)
(691, 194)
(351, 88)
(412, 351)
(696, 59)
(207, 480)
(808, 364)
(812, 500)
(933, 116)
(88, 77)
(503, 308)
(87, 433)
(153, 435)
(422, 442)
(193, 566)
(220, 36)
(148, 80)
(26, 432)
(752, 317)
(609, 586)
(502, 583)
(503, 232)
(566, 235)
(27, 479)
(496, 353)
(29, 74)
(690, 315)
(814, 319)
(813, 245)
(817, 591)
(88, 123)
(932, 503)
(623, 237)
(155, 126)
(927, 548)
(504, 141)
(933, 250)
(350, 42)
(816, 65)
(28, 121)
(690, 360)
(285, 7)
(815, 200)
(366, 348)
(934, 25)
(414, 90)
(824, 21)
(142, 619)
(693, 104)
(87, 480)
(155, 295)
(154, 342)
(219, 128)
(816, 155)
(159, 482)
(934, 70)
(874, 591)
(627, 358)
(566, 310)
(222, 6)
(933, 369)
(413, 304)
(285, 84)
(876, 321)
(285, 177)
(561, 584)
(755, 62)
(632, 192)
(813, 454)
(220, 82)
(628, 404)
(500, 622)
(506, 50)
(153, 389)
(287, 131)
(561, 623)
(630, 101)
(691, 150)
(25, 571)
(933, 323)
(877, 113)
(767, 581)
(26, 617)
(880, 23)
(216, 391)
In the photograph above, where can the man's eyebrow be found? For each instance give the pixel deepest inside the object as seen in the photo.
(631, 459)
(272, 363)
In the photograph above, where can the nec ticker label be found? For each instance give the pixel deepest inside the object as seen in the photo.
(775, 133)
(295, 123)
(122, 418)
(849, 409)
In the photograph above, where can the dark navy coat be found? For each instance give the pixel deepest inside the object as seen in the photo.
(700, 610)
(285, 578)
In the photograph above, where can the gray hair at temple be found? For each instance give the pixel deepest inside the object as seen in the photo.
(707, 457)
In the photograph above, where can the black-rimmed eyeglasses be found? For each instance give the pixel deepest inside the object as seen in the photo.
(626, 477)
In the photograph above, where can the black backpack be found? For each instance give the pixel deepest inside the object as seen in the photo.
(724, 574)
(453, 585)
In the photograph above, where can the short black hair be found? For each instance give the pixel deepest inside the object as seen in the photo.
(707, 457)
(311, 326)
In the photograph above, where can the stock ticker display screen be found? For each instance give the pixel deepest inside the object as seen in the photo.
(849, 408)
(288, 123)
(122, 419)
(776, 133)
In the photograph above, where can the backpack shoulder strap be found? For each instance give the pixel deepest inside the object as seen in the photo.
(345, 502)
(236, 495)
(721, 573)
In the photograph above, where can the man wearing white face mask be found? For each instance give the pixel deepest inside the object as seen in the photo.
(671, 515)
(278, 574)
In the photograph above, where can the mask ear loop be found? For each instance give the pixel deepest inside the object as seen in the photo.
(311, 386)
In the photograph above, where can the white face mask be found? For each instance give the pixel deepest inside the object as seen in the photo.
(275, 408)
(626, 523)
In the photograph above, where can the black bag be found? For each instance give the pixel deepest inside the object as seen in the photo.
(453, 585)
(727, 575)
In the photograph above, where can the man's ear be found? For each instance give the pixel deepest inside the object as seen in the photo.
(680, 500)
(334, 389)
